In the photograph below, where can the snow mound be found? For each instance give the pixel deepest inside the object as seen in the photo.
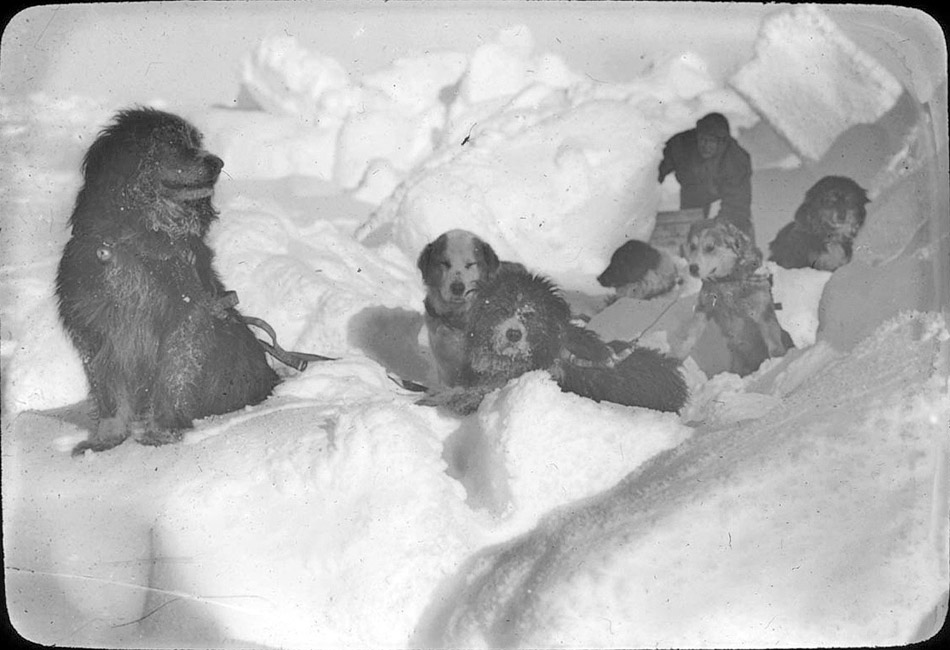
(348, 128)
(326, 515)
(504, 67)
(315, 520)
(814, 525)
(533, 448)
(285, 78)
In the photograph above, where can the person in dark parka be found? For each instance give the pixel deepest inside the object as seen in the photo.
(711, 166)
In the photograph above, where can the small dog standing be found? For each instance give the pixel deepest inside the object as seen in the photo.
(638, 270)
(520, 323)
(159, 338)
(733, 295)
(452, 266)
(825, 225)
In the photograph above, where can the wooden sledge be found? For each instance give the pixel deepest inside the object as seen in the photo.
(671, 228)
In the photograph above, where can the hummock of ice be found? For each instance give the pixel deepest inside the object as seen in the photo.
(553, 169)
(365, 134)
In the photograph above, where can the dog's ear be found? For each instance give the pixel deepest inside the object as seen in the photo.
(749, 255)
(488, 254)
(430, 270)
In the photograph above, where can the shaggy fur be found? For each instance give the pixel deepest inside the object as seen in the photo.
(825, 225)
(160, 343)
(638, 270)
(520, 323)
(733, 295)
(452, 266)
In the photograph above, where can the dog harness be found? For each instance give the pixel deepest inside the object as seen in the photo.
(296, 360)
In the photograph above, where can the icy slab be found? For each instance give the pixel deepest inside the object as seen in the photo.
(811, 82)
(822, 523)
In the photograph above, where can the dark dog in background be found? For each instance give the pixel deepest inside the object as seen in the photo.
(825, 225)
(452, 266)
(159, 338)
(638, 270)
(520, 323)
(737, 298)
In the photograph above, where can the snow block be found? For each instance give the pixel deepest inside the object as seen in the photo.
(546, 452)
(811, 82)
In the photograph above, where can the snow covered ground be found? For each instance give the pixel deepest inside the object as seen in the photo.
(805, 504)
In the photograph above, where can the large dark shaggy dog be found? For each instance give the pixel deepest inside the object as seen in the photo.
(825, 225)
(519, 322)
(159, 338)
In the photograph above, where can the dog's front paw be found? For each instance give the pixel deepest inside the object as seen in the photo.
(833, 257)
(109, 433)
(95, 445)
(154, 437)
(779, 348)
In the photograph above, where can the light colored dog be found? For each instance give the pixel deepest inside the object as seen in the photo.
(737, 298)
(452, 266)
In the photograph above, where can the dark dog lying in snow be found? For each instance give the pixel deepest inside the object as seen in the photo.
(825, 225)
(737, 298)
(452, 266)
(638, 270)
(159, 338)
(519, 323)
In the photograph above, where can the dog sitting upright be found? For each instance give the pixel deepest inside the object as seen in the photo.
(452, 265)
(160, 340)
(733, 295)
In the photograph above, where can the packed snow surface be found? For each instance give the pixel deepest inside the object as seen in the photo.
(800, 505)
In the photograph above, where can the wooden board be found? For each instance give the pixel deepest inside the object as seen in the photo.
(671, 228)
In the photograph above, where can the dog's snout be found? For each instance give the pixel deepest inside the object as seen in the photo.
(213, 163)
(694, 270)
(513, 335)
(457, 288)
